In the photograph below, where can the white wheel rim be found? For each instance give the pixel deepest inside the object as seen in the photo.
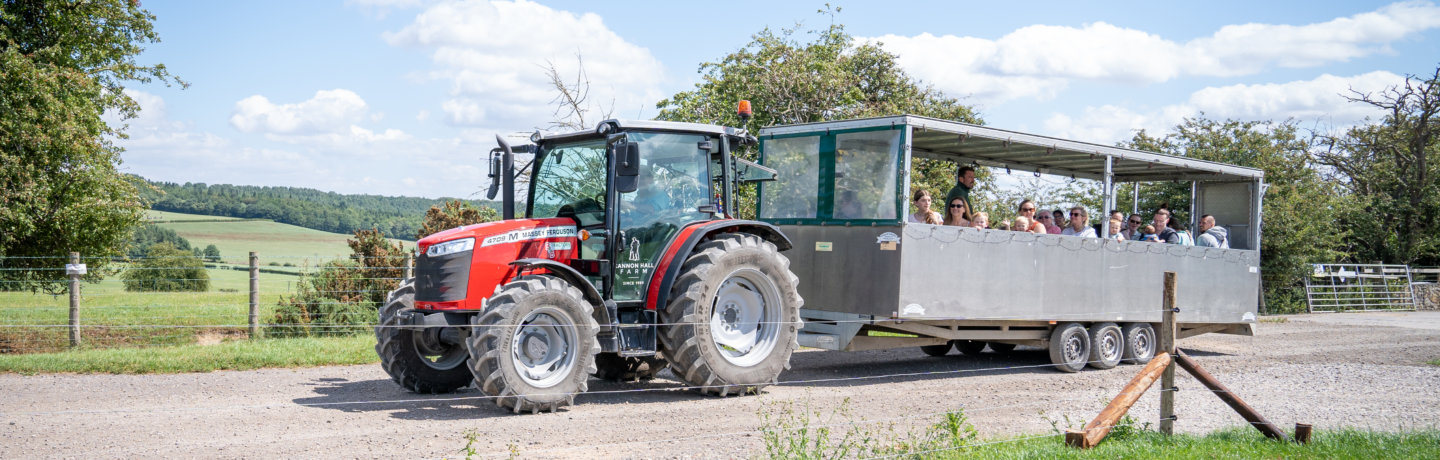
(1074, 350)
(745, 317)
(1142, 346)
(543, 347)
(1110, 346)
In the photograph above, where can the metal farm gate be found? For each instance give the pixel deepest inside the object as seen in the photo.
(1359, 287)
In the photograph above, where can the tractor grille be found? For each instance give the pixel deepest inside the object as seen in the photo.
(442, 279)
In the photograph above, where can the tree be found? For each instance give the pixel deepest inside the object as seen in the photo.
(832, 77)
(62, 65)
(454, 214)
(1299, 208)
(1387, 169)
(212, 253)
(168, 269)
(149, 235)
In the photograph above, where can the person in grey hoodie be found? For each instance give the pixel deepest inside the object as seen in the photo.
(1212, 236)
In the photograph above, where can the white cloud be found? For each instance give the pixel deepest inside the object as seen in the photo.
(1319, 100)
(1038, 61)
(494, 55)
(328, 111)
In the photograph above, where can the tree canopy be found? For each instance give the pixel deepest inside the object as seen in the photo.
(63, 64)
(832, 76)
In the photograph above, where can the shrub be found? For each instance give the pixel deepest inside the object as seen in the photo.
(167, 269)
(330, 301)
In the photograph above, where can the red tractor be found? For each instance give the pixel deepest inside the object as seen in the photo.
(625, 261)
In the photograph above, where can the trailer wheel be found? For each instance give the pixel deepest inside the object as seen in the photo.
(969, 347)
(1139, 343)
(1002, 348)
(534, 347)
(1107, 345)
(616, 368)
(417, 360)
(937, 350)
(733, 316)
(1069, 347)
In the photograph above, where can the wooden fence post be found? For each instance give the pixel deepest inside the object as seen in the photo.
(1230, 398)
(409, 266)
(254, 295)
(1167, 345)
(74, 298)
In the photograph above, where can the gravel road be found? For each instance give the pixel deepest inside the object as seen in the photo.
(1361, 370)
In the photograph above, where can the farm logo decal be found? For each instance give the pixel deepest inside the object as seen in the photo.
(530, 234)
(887, 241)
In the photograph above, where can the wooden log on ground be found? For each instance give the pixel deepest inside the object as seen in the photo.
(1257, 421)
(1097, 429)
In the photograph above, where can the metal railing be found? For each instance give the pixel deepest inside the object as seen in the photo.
(1359, 287)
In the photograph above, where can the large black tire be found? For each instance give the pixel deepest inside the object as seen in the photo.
(534, 347)
(731, 284)
(616, 368)
(937, 350)
(969, 347)
(1140, 343)
(416, 359)
(1069, 347)
(1107, 345)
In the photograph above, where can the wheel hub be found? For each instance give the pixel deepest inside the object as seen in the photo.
(745, 317)
(544, 347)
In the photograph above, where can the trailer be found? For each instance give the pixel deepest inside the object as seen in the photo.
(870, 280)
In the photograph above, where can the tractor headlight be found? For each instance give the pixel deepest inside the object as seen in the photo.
(450, 247)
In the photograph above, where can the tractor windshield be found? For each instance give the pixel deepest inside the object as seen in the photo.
(571, 182)
(674, 184)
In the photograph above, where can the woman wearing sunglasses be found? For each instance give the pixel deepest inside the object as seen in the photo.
(1079, 224)
(955, 213)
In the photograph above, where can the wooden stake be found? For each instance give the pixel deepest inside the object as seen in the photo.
(254, 296)
(1257, 421)
(1167, 345)
(1097, 429)
(1302, 433)
(74, 302)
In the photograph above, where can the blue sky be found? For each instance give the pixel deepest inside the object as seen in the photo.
(404, 97)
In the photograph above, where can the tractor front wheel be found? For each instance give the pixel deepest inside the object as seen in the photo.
(418, 360)
(733, 317)
(534, 347)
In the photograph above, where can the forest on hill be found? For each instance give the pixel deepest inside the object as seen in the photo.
(396, 217)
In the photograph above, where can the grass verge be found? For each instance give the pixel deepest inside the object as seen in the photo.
(229, 355)
(1433, 362)
(1237, 442)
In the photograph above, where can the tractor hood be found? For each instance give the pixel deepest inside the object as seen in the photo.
(468, 264)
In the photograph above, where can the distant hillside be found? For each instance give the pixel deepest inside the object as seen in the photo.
(397, 217)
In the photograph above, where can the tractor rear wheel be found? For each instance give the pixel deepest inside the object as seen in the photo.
(733, 317)
(417, 359)
(534, 347)
(616, 368)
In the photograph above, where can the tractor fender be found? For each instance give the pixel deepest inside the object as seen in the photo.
(679, 248)
(572, 276)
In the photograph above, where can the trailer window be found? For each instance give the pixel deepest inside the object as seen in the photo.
(796, 193)
(865, 165)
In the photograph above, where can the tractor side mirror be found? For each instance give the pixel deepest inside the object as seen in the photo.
(627, 167)
(494, 176)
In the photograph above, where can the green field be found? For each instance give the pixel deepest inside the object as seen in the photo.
(272, 241)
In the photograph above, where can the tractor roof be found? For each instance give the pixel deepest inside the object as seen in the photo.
(967, 143)
(649, 125)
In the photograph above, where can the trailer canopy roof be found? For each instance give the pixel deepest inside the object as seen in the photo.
(967, 143)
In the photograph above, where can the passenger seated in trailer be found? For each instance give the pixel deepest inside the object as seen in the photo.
(1022, 224)
(1211, 235)
(1147, 233)
(955, 213)
(1048, 220)
(1115, 230)
(1053, 225)
(964, 181)
(1184, 236)
(1162, 229)
(981, 220)
(1027, 210)
(1132, 227)
(923, 213)
(847, 205)
(1079, 223)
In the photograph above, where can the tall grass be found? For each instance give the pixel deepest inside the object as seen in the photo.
(232, 355)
